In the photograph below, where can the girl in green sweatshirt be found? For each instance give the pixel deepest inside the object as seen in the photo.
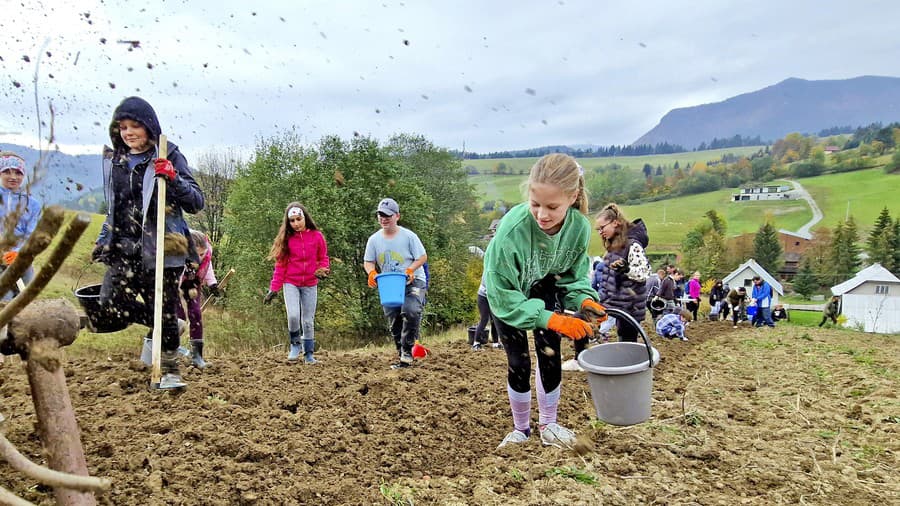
(537, 266)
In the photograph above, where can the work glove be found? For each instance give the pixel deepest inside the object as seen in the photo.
(594, 311)
(410, 276)
(10, 257)
(214, 289)
(321, 273)
(269, 296)
(372, 282)
(620, 266)
(164, 168)
(572, 327)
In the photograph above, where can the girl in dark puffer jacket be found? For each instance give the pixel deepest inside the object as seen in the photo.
(626, 267)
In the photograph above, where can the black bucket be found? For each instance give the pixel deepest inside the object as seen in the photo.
(101, 320)
(473, 338)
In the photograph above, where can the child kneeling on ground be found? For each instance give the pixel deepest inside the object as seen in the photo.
(672, 325)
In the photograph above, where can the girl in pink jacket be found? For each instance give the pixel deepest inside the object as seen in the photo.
(301, 260)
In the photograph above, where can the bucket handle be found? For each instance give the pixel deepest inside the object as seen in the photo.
(618, 313)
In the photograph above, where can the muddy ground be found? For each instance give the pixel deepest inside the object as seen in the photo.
(747, 416)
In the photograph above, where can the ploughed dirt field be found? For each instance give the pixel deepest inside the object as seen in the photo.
(740, 416)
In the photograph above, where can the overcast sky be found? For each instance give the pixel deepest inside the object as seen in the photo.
(490, 75)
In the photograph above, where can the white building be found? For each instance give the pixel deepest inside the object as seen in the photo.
(871, 300)
(743, 276)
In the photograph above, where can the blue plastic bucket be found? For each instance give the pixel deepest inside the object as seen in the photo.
(391, 288)
(751, 311)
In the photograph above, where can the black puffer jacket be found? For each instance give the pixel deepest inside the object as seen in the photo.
(620, 291)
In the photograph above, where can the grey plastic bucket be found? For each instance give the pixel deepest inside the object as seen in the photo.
(621, 377)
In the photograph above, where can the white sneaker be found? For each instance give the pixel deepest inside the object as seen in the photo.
(684, 338)
(556, 435)
(513, 437)
(571, 365)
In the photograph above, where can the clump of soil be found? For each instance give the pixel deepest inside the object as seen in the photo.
(740, 416)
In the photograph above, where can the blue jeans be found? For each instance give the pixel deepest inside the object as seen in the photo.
(300, 304)
(763, 316)
(404, 320)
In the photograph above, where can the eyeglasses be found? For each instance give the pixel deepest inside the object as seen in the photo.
(601, 227)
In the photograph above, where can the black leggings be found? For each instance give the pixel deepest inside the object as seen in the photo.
(546, 344)
(484, 312)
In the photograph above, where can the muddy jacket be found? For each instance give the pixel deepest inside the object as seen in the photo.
(627, 289)
(183, 194)
(832, 309)
(736, 299)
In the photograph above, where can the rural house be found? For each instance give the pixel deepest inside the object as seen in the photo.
(871, 300)
(743, 276)
(769, 192)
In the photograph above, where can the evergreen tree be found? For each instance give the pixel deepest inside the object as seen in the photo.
(879, 245)
(766, 248)
(895, 247)
(805, 282)
(845, 252)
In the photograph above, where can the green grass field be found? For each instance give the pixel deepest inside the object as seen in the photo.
(506, 188)
(867, 192)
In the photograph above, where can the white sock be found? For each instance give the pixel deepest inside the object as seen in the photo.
(520, 404)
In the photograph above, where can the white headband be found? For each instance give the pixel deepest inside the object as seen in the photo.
(295, 211)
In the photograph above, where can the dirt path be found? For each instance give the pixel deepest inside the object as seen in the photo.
(764, 416)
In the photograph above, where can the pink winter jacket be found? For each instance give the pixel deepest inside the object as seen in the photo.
(694, 289)
(308, 252)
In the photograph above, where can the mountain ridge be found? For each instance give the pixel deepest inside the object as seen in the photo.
(791, 105)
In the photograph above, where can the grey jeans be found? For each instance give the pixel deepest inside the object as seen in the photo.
(404, 320)
(300, 305)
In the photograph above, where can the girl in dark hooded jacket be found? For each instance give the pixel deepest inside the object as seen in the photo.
(625, 267)
(127, 242)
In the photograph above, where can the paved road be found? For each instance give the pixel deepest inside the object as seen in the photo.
(804, 231)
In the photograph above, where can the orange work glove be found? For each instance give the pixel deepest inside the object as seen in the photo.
(593, 310)
(571, 327)
(10, 257)
(372, 282)
(410, 276)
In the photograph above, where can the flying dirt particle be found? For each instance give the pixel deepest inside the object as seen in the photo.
(175, 244)
(467, 88)
(96, 123)
(26, 59)
(253, 14)
(50, 76)
(405, 42)
(425, 97)
(205, 65)
(322, 34)
(17, 84)
(149, 65)
(544, 121)
(282, 19)
(49, 54)
(79, 186)
(642, 44)
(338, 178)
(103, 40)
(548, 351)
(377, 111)
(174, 84)
(530, 91)
(112, 86)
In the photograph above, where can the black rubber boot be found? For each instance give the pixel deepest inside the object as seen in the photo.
(197, 354)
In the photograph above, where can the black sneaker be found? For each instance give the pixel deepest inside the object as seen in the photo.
(400, 365)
